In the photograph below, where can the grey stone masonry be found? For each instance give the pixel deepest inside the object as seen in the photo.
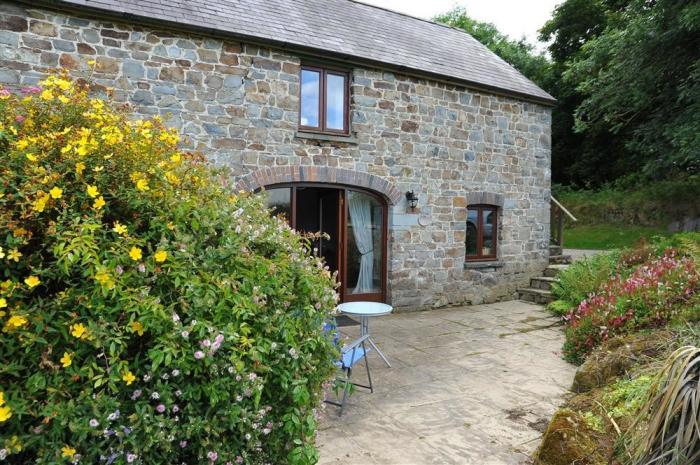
(238, 104)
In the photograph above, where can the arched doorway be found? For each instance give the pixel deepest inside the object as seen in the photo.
(355, 222)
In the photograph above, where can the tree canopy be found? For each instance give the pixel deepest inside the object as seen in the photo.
(626, 74)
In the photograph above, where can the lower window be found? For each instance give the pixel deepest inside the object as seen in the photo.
(482, 231)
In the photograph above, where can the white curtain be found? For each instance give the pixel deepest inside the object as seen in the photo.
(361, 219)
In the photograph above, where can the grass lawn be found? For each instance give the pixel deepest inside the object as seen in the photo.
(608, 236)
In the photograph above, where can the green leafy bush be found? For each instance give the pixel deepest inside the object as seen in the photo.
(581, 279)
(149, 315)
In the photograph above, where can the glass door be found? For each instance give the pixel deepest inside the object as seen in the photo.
(355, 224)
(365, 247)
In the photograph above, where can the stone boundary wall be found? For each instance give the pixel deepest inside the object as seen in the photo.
(238, 104)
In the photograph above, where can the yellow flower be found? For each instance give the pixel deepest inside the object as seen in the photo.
(32, 282)
(120, 228)
(13, 444)
(66, 360)
(99, 203)
(63, 99)
(5, 414)
(175, 158)
(63, 84)
(128, 378)
(135, 254)
(161, 256)
(15, 322)
(22, 144)
(14, 255)
(92, 191)
(79, 330)
(30, 156)
(47, 95)
(136, 327)
(2, 253)
(105, 279)
(3, 304)
(2, 398)
(79, 167)
(91, 62)
(56, 192)
(142, 185)
(67, 452)
(40, 202)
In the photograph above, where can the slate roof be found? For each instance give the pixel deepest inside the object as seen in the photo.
(342, 28)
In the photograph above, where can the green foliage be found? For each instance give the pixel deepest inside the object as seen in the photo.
(149, 314)
(625, 397)
(641, 82)
(560, 307)
(653, 204)
(687, 243)
(583, 278)
(519, 54)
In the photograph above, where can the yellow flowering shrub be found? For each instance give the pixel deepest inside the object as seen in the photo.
(149, 314)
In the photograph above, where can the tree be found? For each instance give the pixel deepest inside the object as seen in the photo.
(641, 82)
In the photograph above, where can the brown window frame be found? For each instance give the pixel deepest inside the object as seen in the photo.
(480, 233)
(321, 128)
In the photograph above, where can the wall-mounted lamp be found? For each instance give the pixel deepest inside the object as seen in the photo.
(412, 199)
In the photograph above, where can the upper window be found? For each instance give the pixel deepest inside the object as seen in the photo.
(324, 100)
(482, 230)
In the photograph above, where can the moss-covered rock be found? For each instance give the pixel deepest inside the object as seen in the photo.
(617, 356)
(570, 438)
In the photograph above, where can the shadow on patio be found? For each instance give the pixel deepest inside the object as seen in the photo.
(468, 385)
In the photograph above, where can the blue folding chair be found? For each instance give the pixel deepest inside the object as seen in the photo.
(350, 355)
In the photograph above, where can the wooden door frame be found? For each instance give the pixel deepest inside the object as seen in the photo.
(342, 233)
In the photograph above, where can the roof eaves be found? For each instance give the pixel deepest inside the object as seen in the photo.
(128, 16)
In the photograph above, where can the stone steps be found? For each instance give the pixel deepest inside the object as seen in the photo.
(560, 259)
(540, 290)
(542, 282)
(553, 270)
(538, 296)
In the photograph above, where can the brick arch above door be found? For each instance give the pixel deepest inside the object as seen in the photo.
(322, 174)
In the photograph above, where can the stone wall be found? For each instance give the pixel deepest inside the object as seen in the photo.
(238, 103)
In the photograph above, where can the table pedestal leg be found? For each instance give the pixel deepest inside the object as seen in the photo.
(364, 329)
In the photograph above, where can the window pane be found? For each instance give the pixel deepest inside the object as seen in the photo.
(335, 101)
(310, 98)
(472, 231)
(280, 201)
(488, 222)
(364, 239)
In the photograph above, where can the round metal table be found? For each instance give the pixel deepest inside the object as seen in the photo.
(365, 310)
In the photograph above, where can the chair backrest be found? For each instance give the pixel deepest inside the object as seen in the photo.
(354, 352)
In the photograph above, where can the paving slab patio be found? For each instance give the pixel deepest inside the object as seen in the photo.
(468, 385)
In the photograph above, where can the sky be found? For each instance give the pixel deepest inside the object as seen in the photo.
(516, 18)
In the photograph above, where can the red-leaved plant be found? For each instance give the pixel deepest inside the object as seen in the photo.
(649, 297)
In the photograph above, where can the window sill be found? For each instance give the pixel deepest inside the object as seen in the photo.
(480, 265)
(325, 137)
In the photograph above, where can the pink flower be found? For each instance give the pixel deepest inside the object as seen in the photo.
(19, 119)
(212, 456)
(183, 444)
(199, 355)
(239, 459)
(160, 408)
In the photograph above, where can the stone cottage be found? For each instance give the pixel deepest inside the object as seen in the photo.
(422, 156)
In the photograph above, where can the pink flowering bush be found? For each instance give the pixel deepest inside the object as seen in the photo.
(649, 297)
(148, 314)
